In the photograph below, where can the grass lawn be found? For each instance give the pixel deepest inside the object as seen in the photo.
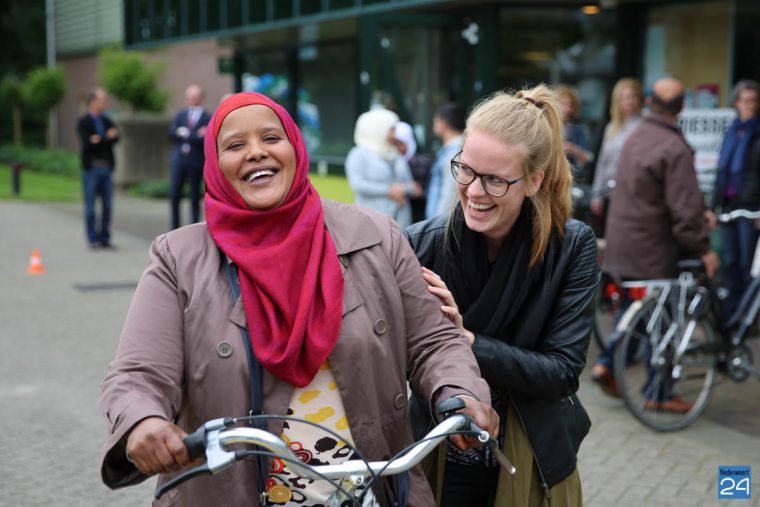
(40, 187)
(47, 187)
(332, 187)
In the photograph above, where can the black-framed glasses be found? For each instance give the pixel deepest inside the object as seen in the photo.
(492, 184)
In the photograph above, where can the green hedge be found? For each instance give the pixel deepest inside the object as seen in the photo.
(156, 189)
(61, 162)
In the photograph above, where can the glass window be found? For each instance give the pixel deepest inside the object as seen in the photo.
(327, 98)
(234, 13)
(283, 10)
(173, 27)
(192, 16)
(267, 72)
(691, 43)
(412, 90)
(213, 18)
(561, 46)
(310, 7)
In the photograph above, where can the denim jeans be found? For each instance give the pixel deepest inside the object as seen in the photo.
(607, 356)
(97, 182)
(738, 241)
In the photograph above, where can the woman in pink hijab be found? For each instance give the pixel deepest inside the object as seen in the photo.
(332, 314)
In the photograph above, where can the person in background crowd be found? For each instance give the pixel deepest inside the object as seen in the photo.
(625, 114)
(448, 124)
(402, 137)
(331, 308)
(657, 215)
(186, 133)
(575, 135)
(377, 173)
(97, 135)
(737, 186)
(518, 276)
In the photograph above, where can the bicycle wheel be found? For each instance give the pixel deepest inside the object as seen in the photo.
(663, 391)
(607, 303)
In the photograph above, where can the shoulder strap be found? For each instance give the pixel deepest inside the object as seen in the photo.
(255, 378)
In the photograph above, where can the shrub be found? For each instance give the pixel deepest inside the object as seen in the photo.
(127, 76)
(44, 88)
(157, 189)
(61, 162)
(11, 93)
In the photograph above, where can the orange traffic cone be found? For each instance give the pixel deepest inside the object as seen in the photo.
(35, 264)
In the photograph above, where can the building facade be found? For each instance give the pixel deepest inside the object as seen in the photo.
(329, 60)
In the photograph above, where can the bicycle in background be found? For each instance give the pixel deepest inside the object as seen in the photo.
(675, 341)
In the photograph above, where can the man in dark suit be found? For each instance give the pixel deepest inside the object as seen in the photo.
(97, 134)
(186, 132)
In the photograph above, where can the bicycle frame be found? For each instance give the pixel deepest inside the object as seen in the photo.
(745, 315)
(683, 317)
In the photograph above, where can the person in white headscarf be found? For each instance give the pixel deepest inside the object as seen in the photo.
(378, 174)
(402, 137)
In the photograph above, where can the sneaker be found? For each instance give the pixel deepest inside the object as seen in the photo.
(675, 405)
(606, 380)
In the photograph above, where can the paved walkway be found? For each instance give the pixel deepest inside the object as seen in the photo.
(60, 330)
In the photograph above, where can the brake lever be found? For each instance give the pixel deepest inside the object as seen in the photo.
(204, 440)
(449, 407)
(184, 476)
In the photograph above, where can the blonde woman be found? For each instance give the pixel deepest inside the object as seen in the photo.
(625, 115)
(518, 276)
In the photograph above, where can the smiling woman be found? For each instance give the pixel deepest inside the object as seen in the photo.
(323, 287)
(518, 277)
(256, 156)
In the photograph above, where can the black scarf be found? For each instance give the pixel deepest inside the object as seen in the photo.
(490, 296)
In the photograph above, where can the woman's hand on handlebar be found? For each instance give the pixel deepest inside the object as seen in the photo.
(155, 446)
(484, 416)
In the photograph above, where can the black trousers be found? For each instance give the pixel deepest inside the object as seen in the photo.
(469, 486)
(181, 173)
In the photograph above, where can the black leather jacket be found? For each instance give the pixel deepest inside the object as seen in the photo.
(539, 366)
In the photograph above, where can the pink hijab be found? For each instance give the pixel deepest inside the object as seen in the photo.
(290, 278)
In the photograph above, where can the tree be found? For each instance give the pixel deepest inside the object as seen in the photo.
(11, 93)
(43, 89)
(22, 25)
(127, 77)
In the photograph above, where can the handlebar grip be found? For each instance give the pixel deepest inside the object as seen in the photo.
(184, 476)
(196, 443)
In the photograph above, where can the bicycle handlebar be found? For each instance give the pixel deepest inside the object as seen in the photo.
(214, 438)
(732, 216)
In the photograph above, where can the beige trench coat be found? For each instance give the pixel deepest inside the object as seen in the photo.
(172, 360)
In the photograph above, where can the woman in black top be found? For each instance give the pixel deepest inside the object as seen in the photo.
(518, 276)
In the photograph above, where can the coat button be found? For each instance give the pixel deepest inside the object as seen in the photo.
(224, 349)
(399, 401)
(380, 326)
